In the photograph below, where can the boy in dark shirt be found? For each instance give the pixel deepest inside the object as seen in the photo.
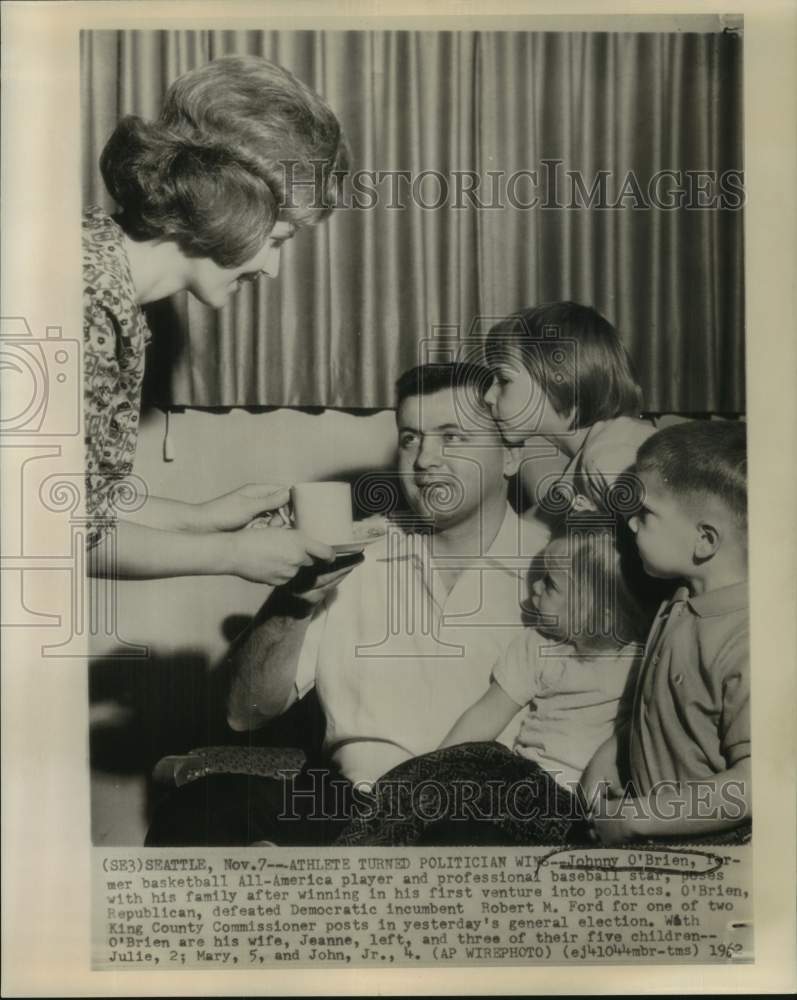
(688, 749)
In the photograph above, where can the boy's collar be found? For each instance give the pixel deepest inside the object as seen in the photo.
(722, 601)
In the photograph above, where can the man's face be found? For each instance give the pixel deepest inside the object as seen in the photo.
(451, 459)
(666, 533)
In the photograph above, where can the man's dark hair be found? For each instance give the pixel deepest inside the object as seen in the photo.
(701, 458)
(471, 380)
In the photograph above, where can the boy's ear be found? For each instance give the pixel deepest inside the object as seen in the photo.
(707, 541)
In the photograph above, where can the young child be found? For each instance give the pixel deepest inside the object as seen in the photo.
(689, 739)
(561, 373)
(572, 672)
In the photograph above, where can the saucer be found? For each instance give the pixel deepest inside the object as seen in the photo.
(354, 544)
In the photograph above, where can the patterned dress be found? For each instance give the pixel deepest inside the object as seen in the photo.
(115, 335)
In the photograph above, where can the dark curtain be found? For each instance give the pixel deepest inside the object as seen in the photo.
(359, 297)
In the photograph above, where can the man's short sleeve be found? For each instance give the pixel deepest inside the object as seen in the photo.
(518, 670)
(734, 724)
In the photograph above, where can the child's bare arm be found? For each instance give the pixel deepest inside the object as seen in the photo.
(603, 771)
(485, 719)
(708, 806)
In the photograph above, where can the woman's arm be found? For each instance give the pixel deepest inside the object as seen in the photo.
(271, 555)
(484, 720)
(224, 513)
(165, 515)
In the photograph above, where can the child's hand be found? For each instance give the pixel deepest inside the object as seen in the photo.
(601, 775)
(610, 822)
(611, 830)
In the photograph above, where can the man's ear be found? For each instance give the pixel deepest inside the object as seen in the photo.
(707, 541)
(512, 459)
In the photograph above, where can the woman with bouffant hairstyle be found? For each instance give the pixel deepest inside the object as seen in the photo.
(242, 156)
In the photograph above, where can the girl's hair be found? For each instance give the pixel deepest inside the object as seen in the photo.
(240, 145)
(610, 603)
(575, 355)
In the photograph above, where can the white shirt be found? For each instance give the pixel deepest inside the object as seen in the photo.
(574, 702)
(396, 658)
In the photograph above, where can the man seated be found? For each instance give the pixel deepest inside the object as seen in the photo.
(399, 648)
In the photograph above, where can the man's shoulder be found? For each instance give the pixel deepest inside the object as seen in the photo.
(378, 560)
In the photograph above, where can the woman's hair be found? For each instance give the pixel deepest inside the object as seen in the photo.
(611, 602)
(240, 145)
(574, 354)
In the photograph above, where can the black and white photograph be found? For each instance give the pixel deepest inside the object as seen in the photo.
(404, 584)
(414, 345)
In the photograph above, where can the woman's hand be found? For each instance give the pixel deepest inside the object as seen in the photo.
(236, 509)
(271, 555)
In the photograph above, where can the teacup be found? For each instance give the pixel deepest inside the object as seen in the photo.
(323, 511)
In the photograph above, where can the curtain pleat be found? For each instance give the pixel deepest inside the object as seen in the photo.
(359, 297)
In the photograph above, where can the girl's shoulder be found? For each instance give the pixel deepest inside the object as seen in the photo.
(609, 451)
(609, 440)
(555, 662)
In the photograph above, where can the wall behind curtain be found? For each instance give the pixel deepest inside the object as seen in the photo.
(357, 295)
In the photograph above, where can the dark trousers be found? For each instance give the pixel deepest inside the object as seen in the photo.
(473, 794)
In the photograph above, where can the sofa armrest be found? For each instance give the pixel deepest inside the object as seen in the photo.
(264, 762)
